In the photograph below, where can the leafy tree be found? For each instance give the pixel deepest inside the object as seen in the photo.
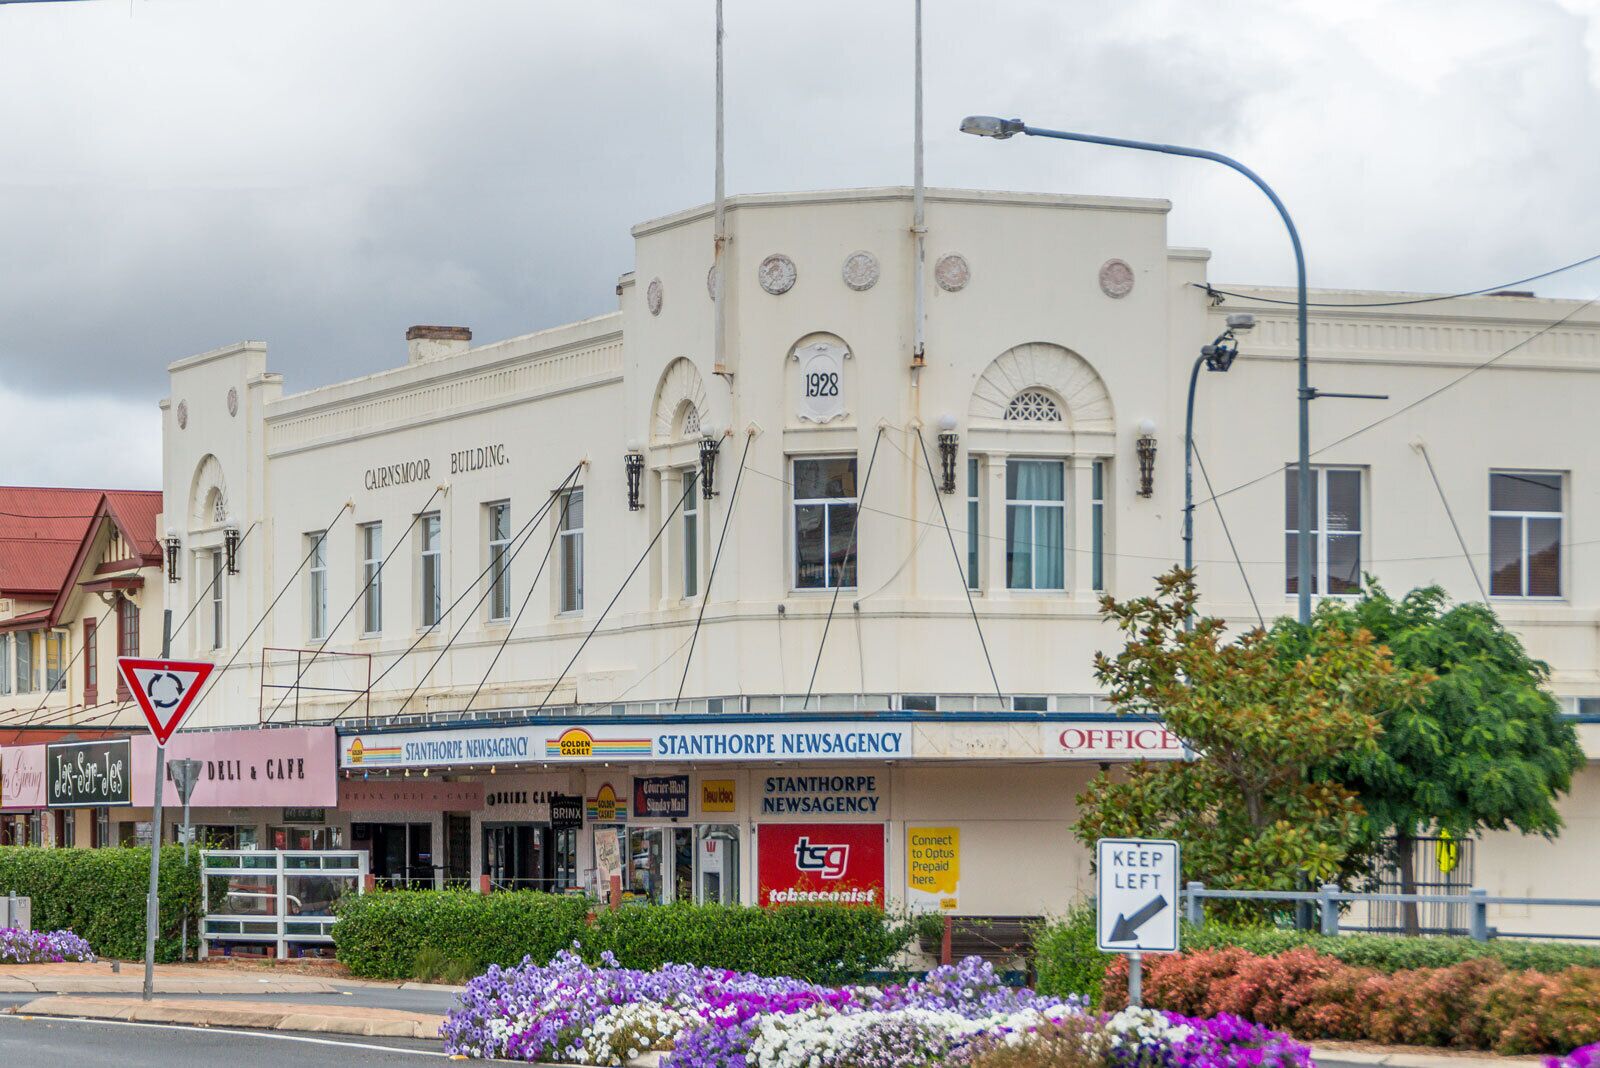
(1485, 748)
(1248, 811)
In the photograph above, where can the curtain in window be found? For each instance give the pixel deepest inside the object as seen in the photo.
(1035, 536)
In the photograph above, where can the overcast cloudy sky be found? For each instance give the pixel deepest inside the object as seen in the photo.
(319, 174)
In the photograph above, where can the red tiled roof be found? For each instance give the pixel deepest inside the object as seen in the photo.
(39, 534)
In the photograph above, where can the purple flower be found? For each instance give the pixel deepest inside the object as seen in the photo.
(41, 947)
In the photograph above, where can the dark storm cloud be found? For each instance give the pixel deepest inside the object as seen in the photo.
(179, 174)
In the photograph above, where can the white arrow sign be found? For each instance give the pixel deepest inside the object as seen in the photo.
(1138, 898)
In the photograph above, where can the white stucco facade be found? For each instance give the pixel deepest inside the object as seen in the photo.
(1056, 327)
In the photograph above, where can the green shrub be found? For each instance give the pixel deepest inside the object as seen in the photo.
(1066, 959)
(99, 894)
(453, 934)
(819, 943)
(381, 934)
(1392, 953)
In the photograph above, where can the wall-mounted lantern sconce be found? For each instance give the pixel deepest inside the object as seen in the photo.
(172, 545)
(634, 459)
(948, 440)
(1146, 445)
(710, 442)
(230, 544)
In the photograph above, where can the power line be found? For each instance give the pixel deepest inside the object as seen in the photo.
(1231, 547)
(850, 548)
(1213, 291)
(1543, 330)
(1450, 515)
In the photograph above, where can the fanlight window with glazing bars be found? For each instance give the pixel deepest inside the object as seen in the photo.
(1033, 406)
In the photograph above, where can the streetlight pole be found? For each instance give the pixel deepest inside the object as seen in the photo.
(1217, 356)
(988, 126)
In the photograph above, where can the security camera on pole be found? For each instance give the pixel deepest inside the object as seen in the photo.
(164, 690)
(1137, 903)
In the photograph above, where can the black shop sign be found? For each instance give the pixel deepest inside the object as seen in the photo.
(660, 796)
(89, 774)
(566, 810)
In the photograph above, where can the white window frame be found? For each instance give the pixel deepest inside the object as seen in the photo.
(974, 472)
(56, 638)
(689, 524)
(1320, 531)
(5, 663)
(25, 650)
(1098, 472)
(828, 504)
(317, 586)
(372, 578)
(219, 618)
(430, 570)
(1034, 506)
(499, 549)
(570, 534)
(1559, 516)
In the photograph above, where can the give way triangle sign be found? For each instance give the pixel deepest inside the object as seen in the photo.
(165, 689)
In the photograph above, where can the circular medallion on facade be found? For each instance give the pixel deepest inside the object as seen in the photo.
(860, 270)
(233, 401)
(777, 274)
(1116, 279)
(952, 272)
(652, 296)
(183, 415)
(713, 282)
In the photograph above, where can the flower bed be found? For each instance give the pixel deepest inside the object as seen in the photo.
(41, 947)
(573, 1013)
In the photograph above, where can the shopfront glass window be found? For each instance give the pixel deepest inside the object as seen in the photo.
(644, 864)
(716, 865)
(564, 858)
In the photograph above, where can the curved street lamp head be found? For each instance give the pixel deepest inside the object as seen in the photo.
(989, 126)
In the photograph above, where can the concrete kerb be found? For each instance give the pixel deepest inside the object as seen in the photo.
(321, 1019)
(1326, 1057)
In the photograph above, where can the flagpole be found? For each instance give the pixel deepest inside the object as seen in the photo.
(719, 229)
(919, 229)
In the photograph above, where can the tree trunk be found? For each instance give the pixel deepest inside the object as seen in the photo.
(1405, 844)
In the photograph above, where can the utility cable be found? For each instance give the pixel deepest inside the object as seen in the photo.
(216, 677)
(200, 598)
(66, 668)
(377, 576)
(1420, 400)
(705, 595)
(1213, 291)
(521, 537)
(961, 573)
(1231, 547)
(1449, 514)
(688, 488)
(566, 502)
(844, 564)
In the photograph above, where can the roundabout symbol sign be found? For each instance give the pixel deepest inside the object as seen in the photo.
(165, 690)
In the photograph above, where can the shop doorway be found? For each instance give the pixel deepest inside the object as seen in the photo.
(514, 856)
(659, 865)
(716, 859)
(398, 854)
(457, 849)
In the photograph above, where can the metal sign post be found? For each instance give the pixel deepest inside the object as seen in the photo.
(1137, 904)
(185, 773)
(165, 690)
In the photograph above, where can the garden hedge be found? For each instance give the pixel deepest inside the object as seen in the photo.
(1067, 961)
(382, 934)
(99, 894)
(1476, 1004)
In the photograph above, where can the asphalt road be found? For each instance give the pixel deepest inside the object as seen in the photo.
(439, 1002)
(26, 1043)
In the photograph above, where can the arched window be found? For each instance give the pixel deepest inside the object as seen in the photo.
(688, 420)
(1033, 406)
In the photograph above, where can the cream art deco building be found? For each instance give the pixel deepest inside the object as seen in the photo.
(494, 566)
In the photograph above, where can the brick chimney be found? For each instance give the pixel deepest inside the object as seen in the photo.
(432, 342)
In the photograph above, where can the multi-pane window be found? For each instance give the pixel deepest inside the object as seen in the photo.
(974, 511)
(372, 578)
(1036, 514)
(55, 660)
(25, 661)
(432, 570)
(1097, 526)
(572, 551)
(691, 535)
(127, 639)
(219, 616)
(1335, 530)
(318, 551)
(824, 522)
(5, 663)
(1525, 533)
(499, 560)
